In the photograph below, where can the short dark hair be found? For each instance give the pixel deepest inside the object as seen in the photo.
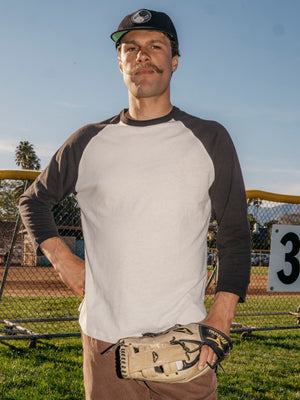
(174, 45)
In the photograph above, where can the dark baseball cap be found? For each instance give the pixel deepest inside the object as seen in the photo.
(146, 20)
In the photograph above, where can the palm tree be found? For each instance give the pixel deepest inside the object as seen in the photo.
(26, 157)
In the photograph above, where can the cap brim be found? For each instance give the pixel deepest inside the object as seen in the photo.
(116, 36)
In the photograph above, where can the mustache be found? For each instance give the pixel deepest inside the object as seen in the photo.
(137, 68)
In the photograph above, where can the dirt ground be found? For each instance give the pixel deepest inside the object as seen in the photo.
(258, 285)
(44, 281)
(33, 281)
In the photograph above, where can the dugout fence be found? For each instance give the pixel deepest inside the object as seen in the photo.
(35, 304)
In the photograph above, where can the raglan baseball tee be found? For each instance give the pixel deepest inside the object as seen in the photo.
(146, 190)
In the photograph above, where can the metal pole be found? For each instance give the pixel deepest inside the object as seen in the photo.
(11, 250)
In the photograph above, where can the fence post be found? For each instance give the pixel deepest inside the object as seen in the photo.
(12, 245)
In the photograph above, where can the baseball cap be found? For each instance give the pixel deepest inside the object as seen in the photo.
(146, 20)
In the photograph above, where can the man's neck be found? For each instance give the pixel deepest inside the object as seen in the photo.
(148, 108)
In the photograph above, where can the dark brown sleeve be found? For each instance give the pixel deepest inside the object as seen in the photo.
(230, 210)
(229, 206)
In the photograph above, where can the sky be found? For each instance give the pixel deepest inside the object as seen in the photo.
(239, 65)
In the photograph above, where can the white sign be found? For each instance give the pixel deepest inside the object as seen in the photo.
(284, 267)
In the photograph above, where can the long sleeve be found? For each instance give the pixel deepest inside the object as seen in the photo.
(230, 209)
(55, 183)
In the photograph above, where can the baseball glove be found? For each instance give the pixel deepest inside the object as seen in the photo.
(171, 356)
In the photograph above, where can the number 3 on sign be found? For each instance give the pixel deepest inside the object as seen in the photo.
(284, 268)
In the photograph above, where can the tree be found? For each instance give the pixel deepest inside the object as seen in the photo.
(252, 222)
(290, 219)
(212, 233)
(8, 201)
(270, 223)
(67, 214)
(26, 157)
(261, 238)
(256, 203)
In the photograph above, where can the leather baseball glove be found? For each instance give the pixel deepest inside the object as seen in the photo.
(171, 356)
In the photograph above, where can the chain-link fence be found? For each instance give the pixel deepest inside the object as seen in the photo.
(34, 303)
(264, 309)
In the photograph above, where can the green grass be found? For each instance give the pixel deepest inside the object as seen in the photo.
(42, 307)
(53, 307)
(51, 371)
(15, 307)
(265, 305)
(260, 270)
(264, 366)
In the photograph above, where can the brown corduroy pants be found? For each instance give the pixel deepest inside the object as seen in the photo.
(102, 383)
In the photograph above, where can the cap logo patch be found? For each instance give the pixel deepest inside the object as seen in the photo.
(141, 17)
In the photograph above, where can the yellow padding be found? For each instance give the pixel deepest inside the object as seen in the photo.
(28, 174)
(19, 174)
(278, 198)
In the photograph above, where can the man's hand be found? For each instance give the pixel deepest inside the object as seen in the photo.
(70, 268)
(221, 316)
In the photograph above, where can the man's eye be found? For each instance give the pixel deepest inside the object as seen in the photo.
(131, 49)
(155, 46)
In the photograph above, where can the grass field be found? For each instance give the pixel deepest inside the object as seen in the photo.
(44, 307)
(263, 366)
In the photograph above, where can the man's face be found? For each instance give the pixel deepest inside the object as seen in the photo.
(146, 62)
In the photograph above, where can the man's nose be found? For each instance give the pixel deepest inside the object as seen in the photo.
(143, 55)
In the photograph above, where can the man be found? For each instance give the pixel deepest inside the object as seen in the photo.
(146, 181)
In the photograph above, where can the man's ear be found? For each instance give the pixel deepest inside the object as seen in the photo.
(174, 63)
